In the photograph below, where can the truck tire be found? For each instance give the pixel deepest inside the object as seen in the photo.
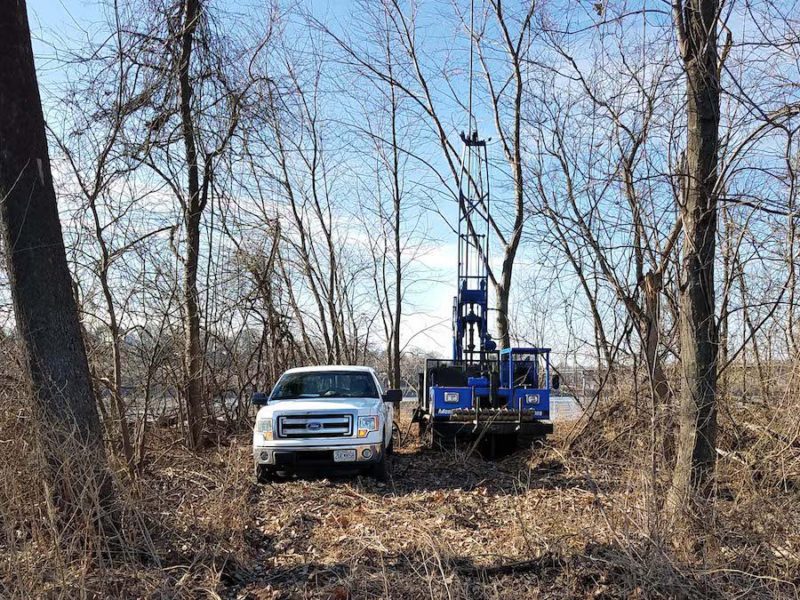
(390, 447)
(263, 474)
(378, 469)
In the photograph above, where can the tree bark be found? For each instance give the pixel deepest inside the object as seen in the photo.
(792, 165)
(41, 287)
(651, 285)
(724, 320)
(193, 210)
(696, 457)
(398, 251)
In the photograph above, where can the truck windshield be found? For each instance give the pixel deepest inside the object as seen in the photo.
(325, 384)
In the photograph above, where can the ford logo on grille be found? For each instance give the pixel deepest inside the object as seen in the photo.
(313, 426)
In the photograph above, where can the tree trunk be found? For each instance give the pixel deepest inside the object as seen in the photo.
(41, 287)
(398, 252)
(503, 287)
(696, 458)
(651, 284)
(724, 321)
(502, 291)
(116, 338)
(116, 383)
(792, 165)
(662, 437)
(193, 209)
(193, 349)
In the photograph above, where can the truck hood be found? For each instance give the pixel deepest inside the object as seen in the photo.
(361, 405)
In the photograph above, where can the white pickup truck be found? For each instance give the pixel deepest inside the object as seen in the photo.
(316, 417)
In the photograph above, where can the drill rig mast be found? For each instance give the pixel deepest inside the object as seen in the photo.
(482, 393)
(471, 338)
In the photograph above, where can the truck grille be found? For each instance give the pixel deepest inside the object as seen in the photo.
(314, 426)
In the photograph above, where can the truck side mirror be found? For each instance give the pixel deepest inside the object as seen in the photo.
(259, 399)
(393, 396)
(556, 381)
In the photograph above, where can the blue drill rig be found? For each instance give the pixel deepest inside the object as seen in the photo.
(484, 393)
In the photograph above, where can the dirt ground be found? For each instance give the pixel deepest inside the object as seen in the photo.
(446, 524)
(537, 524)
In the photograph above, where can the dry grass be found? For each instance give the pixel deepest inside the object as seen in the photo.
(539, 524)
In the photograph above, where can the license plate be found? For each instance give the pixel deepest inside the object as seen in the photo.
(344, 455)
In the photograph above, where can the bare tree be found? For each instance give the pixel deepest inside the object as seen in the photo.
(41, 287)
(188, 99)
(503, 72)
(321, 268)
(696, 25)
(602, 195)
(506, 88)
(193, 207)
(96, 141)
(387, 244)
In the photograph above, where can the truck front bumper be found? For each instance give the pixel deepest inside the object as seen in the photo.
(314, 456)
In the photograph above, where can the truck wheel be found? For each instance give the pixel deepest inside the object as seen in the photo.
(390, 447)
(378, 470)
(263, 474)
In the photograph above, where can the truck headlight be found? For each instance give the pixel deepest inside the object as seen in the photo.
(367, 424)
(264, 427)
